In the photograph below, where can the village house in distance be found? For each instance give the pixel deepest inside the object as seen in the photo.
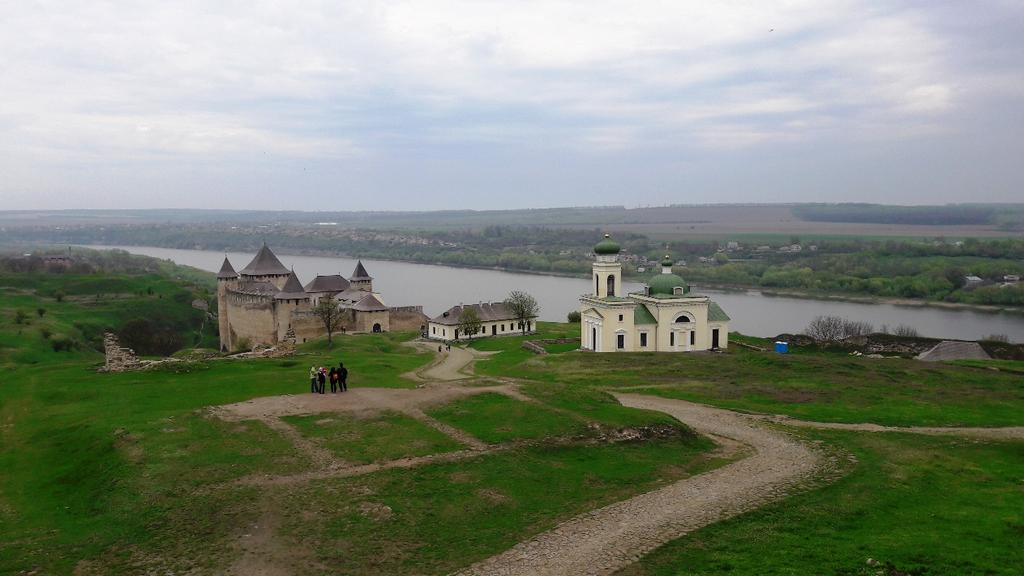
(495, 320)
(265, 304)
(665, 317)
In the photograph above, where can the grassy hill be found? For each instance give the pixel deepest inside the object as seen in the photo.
(48, 317)
(134, 473)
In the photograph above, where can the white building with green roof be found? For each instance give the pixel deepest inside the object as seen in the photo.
(664, 317)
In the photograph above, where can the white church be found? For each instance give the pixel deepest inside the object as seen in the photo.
(664, 317)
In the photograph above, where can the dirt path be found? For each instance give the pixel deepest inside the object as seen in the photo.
(348, 471)
(320, 456)
(449, 366)
(1007, 433)
(261, 552)
(604, 540)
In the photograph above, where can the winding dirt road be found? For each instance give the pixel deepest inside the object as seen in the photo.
(607, 539)
(595, 543)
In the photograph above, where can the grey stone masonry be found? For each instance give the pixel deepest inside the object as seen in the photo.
(118, 357)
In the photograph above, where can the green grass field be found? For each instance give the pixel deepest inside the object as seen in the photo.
(373, 438)
(435, 519)
(497, 418)
(130, 473)
(915, 505)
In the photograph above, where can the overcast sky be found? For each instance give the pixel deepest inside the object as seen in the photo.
(439, 104)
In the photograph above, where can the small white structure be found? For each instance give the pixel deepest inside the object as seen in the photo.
(495, 320)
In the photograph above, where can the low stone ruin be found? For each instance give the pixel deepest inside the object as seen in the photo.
(121, 359)
(118, 358)
(537, 346)
(284, 348)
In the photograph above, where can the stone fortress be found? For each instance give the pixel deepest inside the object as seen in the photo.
(265, 304)
(664, 317)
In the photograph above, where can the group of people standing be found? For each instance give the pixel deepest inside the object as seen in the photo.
(318, 378)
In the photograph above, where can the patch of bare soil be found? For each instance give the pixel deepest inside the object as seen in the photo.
(262, 551)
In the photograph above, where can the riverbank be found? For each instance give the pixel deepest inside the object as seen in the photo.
(642, 278)
(859, 299)
(437, 288)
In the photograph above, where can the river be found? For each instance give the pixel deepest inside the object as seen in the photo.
(437, 288)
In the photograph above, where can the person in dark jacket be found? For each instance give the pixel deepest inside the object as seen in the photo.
(321, 379)
(342, 377)
(333, 377)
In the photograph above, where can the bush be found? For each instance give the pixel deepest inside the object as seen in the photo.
(243, 345)
(59, 295)
(20, 317)
(61, 343)
(45, 332)
(41, 312)
(151, 336)
(574, 317)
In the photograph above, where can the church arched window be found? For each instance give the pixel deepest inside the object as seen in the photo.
(611, 285)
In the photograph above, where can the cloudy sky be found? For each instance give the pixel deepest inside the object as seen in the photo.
(445, 104)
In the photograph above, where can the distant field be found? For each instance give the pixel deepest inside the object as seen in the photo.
(660, 222)
(770, 222)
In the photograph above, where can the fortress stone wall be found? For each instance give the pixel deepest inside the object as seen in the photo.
(265, 304)
(252, 321)
(408, 319)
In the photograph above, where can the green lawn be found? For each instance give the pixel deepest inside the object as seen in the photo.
(89, 461)
(815, 386)
(917, 505)
(373, 438)
(129, 473)
(497, 418)
(511, 349)
(438, 518)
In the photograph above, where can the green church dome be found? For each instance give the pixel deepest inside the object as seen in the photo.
(666, 284)
(607, 246)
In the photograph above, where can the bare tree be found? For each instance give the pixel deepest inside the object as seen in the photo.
(825, 328)
(905, 331)
(835, 328)
(523, 306)
(330, 315)
(469, 322)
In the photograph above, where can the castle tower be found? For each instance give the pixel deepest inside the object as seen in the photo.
(265, 267)
(290, 298)
(607, 269)
(227, 279)
(360, 280)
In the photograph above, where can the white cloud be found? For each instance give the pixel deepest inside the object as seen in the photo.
(340, 80)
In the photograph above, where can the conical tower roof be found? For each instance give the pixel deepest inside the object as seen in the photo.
(264, 264)
(292, 289)
(227, 271)
(360, 272)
